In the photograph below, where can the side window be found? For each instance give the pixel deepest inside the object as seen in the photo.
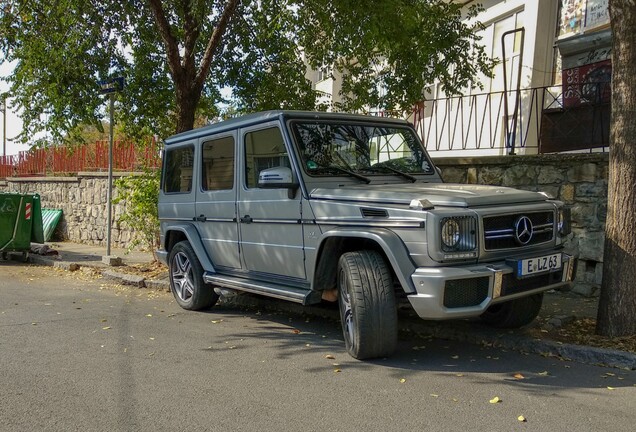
(178, 170)
(263, 149)
(218, 164)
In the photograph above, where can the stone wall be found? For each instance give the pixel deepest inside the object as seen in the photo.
(83, 202)
(580, 180)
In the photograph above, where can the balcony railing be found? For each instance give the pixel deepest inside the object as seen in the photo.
(547, 120)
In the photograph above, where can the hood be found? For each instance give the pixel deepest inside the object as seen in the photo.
(438, 194)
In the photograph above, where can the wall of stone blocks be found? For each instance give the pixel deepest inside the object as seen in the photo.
(579, 180)
(83, 200)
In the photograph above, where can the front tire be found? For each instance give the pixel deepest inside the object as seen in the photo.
(367, 305)
(186, 279)
(514, 313)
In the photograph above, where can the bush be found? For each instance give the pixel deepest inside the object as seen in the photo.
(140, 193)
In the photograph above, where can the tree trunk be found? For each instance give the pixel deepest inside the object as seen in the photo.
(617, 308)
(186, 101)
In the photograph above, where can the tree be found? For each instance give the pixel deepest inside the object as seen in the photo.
(617, 307)
(177, 56)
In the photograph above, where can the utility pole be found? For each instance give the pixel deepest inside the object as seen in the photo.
(3, 108)
(110, 87)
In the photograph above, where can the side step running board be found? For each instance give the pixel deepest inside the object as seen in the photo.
(296, 295)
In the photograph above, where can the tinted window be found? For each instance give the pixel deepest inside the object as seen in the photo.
(178, 170)
(263, 149)
(218, 164)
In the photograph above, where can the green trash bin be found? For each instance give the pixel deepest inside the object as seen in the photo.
(20, 223)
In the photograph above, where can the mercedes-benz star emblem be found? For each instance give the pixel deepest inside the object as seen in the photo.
(523, 230)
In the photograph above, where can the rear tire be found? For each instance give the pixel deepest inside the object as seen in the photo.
(367, 305)
(186, 279)
(514, 313)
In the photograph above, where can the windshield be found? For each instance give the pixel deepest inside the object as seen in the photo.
(331, 148)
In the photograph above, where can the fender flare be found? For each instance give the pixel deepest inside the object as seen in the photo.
(390, 243)
(193, 237)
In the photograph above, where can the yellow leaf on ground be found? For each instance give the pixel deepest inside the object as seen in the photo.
(148, 315)
(495, 400)
(518, 376)
(434, 395)
(522, 419)
(330, 357)
(337, 371)
(106, 328)
(611, 388)
(216, 321)
(402, 380)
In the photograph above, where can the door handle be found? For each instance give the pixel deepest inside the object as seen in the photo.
(200, 218)
(246, 219)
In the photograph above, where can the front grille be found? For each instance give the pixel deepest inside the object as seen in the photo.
(465, 292)
(499, 231)
(511, 285)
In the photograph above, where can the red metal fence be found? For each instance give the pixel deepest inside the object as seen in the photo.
(61, 160)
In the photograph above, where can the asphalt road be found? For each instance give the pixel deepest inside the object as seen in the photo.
(81, 354)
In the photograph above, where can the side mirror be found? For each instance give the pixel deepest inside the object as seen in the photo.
(278, 178)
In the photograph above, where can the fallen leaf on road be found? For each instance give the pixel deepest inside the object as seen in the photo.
(459, 375)
(295, 331)
(216, 321)
(455, 357)
(495, 400)
(337, 370)
(402, 380)
(149, 315)
(522, 419)
(103, 320)
(518, 376)
(106, 328)
(544, 373)
(611, 388)
(330, 357)
(434, 395)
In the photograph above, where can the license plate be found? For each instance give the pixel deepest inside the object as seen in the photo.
(538, 265)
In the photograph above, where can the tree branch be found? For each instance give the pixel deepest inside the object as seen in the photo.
(191, 27)
(172, 47)
(215, 40)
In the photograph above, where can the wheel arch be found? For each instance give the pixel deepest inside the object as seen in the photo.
(177, 233)
(340, 240)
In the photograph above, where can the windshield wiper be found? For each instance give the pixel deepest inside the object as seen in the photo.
(367, 180)
(385, 168)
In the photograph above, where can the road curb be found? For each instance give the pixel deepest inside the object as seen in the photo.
(461, 331)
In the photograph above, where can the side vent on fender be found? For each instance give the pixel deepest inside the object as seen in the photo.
(374, 213)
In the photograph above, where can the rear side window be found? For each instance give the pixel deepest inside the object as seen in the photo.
(178, 170)
(218, 164)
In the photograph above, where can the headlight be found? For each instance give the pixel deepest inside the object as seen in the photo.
(450, 233)
(458, 234)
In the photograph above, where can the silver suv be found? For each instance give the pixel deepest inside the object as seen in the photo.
(307, 206)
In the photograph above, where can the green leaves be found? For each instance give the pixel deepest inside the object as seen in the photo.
(383, 53)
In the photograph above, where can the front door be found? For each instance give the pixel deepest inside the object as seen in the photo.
(271, 234)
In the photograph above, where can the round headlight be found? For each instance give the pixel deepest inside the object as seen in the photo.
(450, 233)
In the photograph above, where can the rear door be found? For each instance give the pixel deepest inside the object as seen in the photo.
(216, 200)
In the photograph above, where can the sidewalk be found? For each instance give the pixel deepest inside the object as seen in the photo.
(558, 310)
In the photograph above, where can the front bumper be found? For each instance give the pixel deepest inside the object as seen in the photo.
(464, 292)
